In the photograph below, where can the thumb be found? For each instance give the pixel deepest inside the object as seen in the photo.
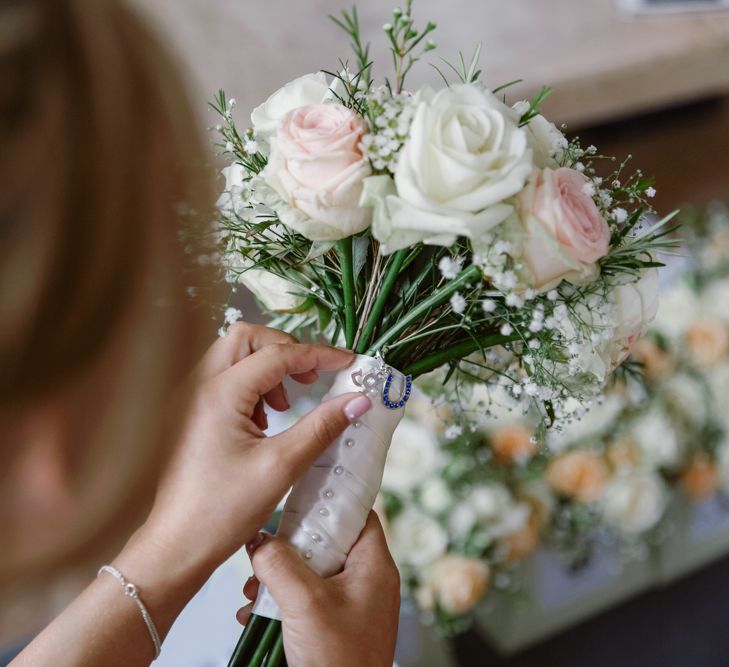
(299, 446)
(282, 570)
(370, 556)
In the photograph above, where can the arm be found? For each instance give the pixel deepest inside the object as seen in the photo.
(222, 484)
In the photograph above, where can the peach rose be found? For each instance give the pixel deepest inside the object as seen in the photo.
(708, 342)
(458, 582)
(513, 443)
(317, 168)
(657, 363)
(520, 544)
(566, 235)
(701, 479)
(579, 474)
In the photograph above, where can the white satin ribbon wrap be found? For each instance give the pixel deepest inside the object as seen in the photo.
(327, 509)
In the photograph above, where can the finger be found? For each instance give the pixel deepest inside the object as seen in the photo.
(259, 373)
(370, 553)
(241, 340)
(278, 398)
(244, 614)
(310, 377)
(284, 572)
(250, 588)
(259, 417)
(299, 446)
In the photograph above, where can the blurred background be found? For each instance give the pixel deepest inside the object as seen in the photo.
(647, 78)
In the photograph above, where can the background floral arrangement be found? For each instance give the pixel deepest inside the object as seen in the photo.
(468, 492)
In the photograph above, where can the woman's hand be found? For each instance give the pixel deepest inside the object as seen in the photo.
(227, 477)
(348, 619)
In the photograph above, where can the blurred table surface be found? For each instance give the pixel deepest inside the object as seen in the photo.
(603, 66)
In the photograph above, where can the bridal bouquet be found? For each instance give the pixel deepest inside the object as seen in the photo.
(426, 229)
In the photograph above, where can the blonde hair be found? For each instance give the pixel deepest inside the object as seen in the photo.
(100, 149)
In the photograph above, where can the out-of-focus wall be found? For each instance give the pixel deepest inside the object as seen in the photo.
(601, 65)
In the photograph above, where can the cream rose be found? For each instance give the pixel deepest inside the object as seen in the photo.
(635, 502)
(458, 582)
(317, 168)
(708, 341)
(274, 292)
(307, 89)
(412, 458)
(579, 474)
(565, 233)
(513, 443)
(464, 159)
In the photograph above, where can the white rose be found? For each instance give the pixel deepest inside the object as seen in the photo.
(465, 157)
(462, 519)
(232, 200)
(435, 496)
(275, 293)
(686, 394)
(416, 539)
(634, 308)
(679, 308)
(412, 458)
(656, 437)
(715, 301)
(496, 509)
(635, 502)
(546, 141)
(307, 89)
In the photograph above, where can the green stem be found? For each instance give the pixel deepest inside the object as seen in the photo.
(344, 248)
(457, 351)
(276, 656)
(393, 270)
(247, 642)
(270, 635)
(436, 299)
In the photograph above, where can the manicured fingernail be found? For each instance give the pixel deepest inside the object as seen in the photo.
(254, 543)
(357, 407)
(286, 395)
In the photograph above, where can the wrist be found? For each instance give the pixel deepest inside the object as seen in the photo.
(166, 574)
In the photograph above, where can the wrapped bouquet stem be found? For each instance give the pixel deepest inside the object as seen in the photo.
(327, 509)
(436, 229)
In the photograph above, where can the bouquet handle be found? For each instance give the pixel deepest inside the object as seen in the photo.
(328, 507)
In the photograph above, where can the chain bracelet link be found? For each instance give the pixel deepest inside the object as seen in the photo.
(131, 591)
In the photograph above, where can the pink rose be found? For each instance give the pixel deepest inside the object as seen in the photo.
(317, 168)
(566, 235)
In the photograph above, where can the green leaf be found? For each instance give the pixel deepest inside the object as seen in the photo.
(318, 248)
(360, 252)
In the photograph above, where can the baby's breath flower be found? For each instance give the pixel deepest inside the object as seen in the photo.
(450, 267)
(488, 305)
(232, 315)
(458, 303)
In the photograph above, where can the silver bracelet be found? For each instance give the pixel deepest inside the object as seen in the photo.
(131, 591)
